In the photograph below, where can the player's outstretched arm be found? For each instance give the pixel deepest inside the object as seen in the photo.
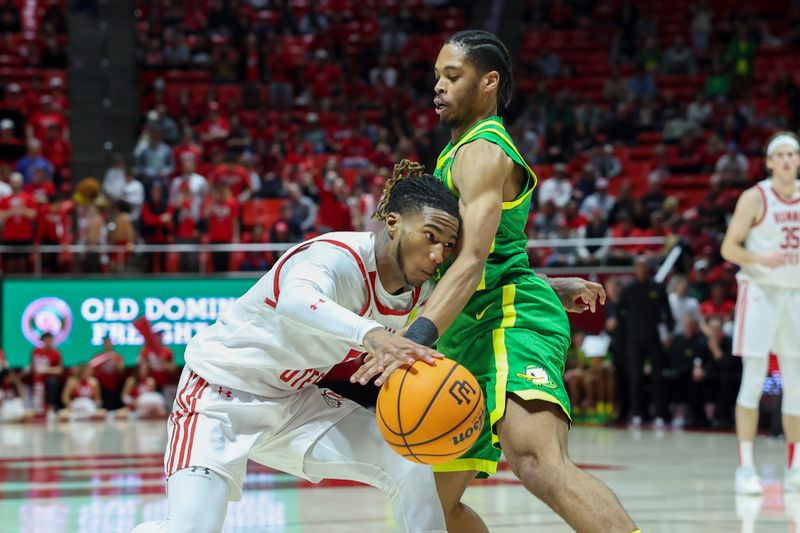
(479, 171)
(576, 294)
(748, 210)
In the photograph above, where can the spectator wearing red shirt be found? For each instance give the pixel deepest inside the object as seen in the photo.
(52, 229)
(108, 366)
(186, 222)
(47, 369)
(335, 213)
(17, 216)
(57, 149)
(41, 187)
(253, 260)
(221, 213)
(215, 129)
(718, 306)
(60, 98)
(622, 254)
(47, 116)
(161, 361)
(233, 176)
(157, 225)
(186, 146)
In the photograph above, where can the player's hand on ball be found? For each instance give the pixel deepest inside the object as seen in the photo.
(577, 295)
(771, 260)
(386, 353)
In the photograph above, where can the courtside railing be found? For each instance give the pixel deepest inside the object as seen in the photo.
(116, 254)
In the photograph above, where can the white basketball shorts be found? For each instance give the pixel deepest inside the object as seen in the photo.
(220, 428)
(767, 321)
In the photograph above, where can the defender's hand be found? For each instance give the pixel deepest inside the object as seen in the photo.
(577, 295)
(386, 353)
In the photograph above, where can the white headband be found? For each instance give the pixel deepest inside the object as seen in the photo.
(782, 139)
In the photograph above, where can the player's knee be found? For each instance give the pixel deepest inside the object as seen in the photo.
(402, 476)
(540, 472)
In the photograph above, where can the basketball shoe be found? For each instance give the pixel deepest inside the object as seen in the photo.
(748, 481)
(791, 482)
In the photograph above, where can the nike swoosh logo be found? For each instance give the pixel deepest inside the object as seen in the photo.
(478, 316)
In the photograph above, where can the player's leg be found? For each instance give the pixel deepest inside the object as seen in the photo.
(459, 516)
(533, 435)
(354, 449)
(790, 410)
(754, 369)
(197, 503)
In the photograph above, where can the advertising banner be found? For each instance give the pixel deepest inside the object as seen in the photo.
(80, 313)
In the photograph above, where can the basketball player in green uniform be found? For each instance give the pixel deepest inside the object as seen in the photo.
(500, 320)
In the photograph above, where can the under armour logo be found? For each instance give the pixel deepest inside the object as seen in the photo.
(461, 390)
(227, 392)
(200, 469)
(314, 305)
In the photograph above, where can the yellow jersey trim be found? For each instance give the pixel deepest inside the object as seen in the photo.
(501, 357)
(537, 394)
(464, 465)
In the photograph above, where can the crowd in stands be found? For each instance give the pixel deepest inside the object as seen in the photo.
(98, 388)
(266, 121)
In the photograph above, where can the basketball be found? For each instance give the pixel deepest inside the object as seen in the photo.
(431, 414)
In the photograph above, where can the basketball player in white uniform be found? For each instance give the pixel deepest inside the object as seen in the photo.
(763, 238)
(248, 390)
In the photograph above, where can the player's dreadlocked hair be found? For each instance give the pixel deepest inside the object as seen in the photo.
(486, 52)
(410, 189)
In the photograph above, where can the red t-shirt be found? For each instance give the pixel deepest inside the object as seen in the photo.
(106, 369)
(40, 192)
(185, 149)
(18, 227)
(723, 311)
(158, 361)
(43, 358)
(187, 225)
(41, 121)
(57, 152)
(234, 176)
(222, 216)
(52, 226)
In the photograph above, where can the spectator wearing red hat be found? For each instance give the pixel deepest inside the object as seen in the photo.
(17, 216)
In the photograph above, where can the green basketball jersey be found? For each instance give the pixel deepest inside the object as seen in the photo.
(508, 257)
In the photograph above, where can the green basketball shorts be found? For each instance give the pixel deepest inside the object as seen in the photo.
(512, 338)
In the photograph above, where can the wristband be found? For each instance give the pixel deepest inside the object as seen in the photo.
(423, 331)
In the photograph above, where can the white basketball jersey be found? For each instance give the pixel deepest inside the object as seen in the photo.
(778, 229)
(252, 348)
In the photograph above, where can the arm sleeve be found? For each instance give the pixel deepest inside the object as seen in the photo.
(311, 288)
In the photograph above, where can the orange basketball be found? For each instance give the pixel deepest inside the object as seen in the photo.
(431, 414)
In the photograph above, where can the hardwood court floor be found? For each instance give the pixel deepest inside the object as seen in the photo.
(107, 477)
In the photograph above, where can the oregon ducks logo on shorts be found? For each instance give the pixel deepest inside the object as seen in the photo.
(538, 376)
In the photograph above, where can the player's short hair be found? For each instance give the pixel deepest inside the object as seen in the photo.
(487, 52)
(409, 189)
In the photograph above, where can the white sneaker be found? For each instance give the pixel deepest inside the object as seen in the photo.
(659, 423)
(636, 422)
(791, 483)
(748, 481)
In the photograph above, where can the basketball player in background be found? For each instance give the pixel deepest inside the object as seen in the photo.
(763, 238)
(498, 319)
(248, 390)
